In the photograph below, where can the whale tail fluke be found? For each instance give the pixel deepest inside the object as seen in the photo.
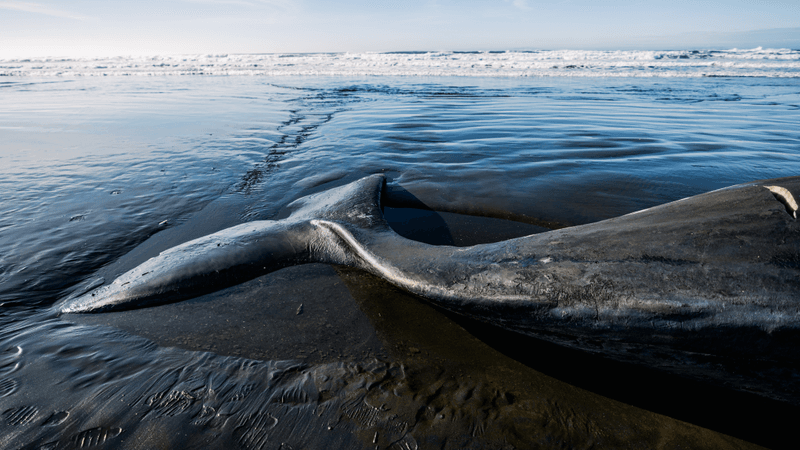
(240, 253)
(357, 203)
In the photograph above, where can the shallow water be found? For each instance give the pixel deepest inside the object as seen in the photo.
(98, 174)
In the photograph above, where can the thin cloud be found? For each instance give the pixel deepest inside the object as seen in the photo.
(222, 2)
(283, 4)
(38, 8)
(520, 4)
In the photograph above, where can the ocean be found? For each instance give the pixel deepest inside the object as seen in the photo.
(106, 162)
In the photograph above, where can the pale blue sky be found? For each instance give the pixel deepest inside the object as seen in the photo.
(108, 27)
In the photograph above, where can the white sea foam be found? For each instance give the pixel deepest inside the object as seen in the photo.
(756, 62)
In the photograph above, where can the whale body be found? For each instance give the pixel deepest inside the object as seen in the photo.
(714, 274)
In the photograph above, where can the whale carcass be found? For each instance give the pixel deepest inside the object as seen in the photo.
(715, 274)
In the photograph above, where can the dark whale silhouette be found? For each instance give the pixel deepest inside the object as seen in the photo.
(714, 274)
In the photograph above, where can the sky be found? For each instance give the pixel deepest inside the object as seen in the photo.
(149, 27)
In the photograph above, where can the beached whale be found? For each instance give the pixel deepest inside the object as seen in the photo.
(713, 274)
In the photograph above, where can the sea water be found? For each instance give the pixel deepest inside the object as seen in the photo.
(105, 162)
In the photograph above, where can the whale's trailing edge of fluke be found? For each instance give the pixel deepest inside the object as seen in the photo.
(718, 273)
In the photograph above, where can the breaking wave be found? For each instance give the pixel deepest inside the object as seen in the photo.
(756, 62)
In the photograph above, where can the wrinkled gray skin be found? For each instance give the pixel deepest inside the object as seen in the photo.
(718, 273)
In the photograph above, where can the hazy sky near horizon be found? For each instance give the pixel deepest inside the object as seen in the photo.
(106, 28)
